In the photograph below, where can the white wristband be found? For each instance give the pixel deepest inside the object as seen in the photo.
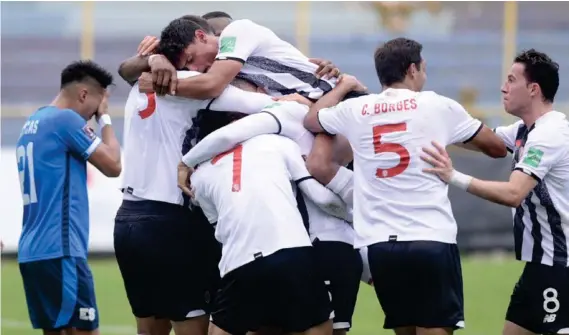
(460, 180)
(104, 120)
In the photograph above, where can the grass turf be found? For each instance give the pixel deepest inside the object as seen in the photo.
(488, 283)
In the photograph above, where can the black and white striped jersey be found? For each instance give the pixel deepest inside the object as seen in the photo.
(270, 62)
(541, 222)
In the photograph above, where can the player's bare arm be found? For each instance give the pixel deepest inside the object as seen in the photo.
(487, 142)
(133, 67)
(329, 153)
(510, 193)
(107, 157)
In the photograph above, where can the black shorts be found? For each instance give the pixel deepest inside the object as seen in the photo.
(540, 301)
(168, 258)
(341, 267)
(281, 291)
(60, 294)
(418, 283)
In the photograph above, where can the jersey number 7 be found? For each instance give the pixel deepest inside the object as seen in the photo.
(380, 147)
(237, 164)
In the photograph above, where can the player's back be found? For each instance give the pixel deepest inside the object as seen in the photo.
(155, 128)
(321, 225)
(53, 182)
(252, 192)
(271, 62)
(389, 133)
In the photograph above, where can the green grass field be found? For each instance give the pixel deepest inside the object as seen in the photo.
(488, 284)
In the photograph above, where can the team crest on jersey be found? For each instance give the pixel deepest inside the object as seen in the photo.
(89, 132)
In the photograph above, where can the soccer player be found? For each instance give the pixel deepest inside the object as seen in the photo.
(401, 214)
(54, 145)
(537, 191)
(155, 231)
(339, 262)
(268, 267)
(218, 21)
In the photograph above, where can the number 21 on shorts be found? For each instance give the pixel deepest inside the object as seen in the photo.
(381, 147)
(237, 163)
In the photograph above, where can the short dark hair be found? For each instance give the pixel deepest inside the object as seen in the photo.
(177, 35)
(200, 21)
(82, 70)
(539, 68)
(216, 14)
(393, 58)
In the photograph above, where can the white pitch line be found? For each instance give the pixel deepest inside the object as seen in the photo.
(112, 329)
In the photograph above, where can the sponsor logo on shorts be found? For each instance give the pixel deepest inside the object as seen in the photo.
(87, 314)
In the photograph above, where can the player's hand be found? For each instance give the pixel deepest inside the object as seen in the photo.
(103, 106)
(351, 83)
(184, 174)
(440, 160)
(294, 97)
(148, 46)
(145, 83)
(326, 69)
(164, 75)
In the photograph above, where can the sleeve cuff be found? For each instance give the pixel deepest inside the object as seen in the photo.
(242, 61)
(321, 125)
(528, 172)
(475, 133)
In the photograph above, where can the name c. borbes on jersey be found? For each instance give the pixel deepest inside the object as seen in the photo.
(384, 107)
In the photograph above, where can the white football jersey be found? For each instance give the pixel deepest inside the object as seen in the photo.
(394, 200)
(248, 192)
(286, 119)
(541, 222)
(270, 62)
(154, 131)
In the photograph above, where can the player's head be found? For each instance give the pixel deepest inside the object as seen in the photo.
(533, 78)
(398, 62)
(200, 21)
(188, 45)
(83, 84)
(218, 21)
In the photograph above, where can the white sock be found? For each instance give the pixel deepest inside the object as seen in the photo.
(343, 185)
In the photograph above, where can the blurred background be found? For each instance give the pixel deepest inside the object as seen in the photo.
(468, 47)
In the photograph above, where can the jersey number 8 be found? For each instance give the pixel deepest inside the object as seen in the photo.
(25, 157)
(380, 147)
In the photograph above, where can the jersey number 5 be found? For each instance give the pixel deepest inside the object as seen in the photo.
(150, 107)
(26, 159)
(380, 147)
(237, 163)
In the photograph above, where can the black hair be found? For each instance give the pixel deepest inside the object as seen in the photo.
(393, 58)
(539, 68)
(199, 21)
(216, 14)
(82, 70)
(177, 35)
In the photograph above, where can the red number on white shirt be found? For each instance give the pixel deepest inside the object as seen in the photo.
(150, 107)
(398, 149)
(237, 164)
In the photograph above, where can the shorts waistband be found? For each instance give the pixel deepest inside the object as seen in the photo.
(151, 206)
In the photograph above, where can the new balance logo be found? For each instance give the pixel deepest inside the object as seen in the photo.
(87, 314)
(549, 318)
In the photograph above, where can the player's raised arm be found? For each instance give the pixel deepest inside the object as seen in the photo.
(229, 136)
(320, 195)
(470, 133)
(107, 156)
(179, 43)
